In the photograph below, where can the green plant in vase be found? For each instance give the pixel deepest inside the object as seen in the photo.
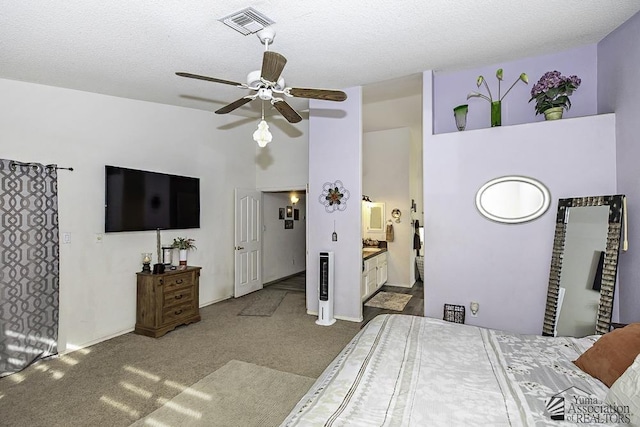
(184, 245)
(496, 105)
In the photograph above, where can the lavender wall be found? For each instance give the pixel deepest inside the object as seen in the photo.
(619, 91)
(335, 153)
(451, 89)
(505, 267)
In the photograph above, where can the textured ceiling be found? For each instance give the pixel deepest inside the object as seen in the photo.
(132, 49)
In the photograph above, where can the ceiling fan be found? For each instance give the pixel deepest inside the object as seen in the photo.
(268, 84)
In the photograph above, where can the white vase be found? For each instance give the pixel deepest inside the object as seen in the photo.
(183, 256)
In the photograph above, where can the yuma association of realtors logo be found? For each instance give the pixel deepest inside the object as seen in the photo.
(578, 406)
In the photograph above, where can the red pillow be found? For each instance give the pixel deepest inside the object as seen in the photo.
(612, 354)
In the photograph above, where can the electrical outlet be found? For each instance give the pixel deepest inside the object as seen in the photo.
(66, 237)
(474, 307)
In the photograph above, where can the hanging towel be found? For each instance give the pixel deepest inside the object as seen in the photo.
(389, 231)
(416, 237)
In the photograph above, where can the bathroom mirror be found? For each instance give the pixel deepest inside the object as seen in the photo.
(584, 264)
(375, 217)
(513, 199)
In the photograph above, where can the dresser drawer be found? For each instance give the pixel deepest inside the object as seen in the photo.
(178, 312)
(177, 297)
(177, 281)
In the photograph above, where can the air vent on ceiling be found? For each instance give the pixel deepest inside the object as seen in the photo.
(247, 21)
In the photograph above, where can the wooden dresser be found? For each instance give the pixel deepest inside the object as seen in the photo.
(165, 301)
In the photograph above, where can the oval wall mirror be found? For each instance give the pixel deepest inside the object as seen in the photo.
(513, 199)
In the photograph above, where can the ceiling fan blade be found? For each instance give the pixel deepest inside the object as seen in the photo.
(289, 113)
(210, 79)
(272, 65)
(235, 104)
(325, 94)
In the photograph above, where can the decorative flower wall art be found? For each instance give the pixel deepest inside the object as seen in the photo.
(334, 196)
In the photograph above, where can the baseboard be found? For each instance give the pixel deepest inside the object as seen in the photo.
(215, 301)
(399, 285)
(348, 319)
(124, 331)
(271, 282)
(96, 341)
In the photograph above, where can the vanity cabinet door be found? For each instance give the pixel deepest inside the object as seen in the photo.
(369, 278)
(363, 285)
(372, 279)
(381, 277)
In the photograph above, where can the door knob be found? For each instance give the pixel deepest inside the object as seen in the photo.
(239, 248)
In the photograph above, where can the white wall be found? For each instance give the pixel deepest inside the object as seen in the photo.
(505, 267)
(284, 250)
(405, 111)
(87, 131)
(335, 153)
(415, 176)
(284, 163)
(386, 159)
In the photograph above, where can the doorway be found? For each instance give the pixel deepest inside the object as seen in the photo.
(284, 239)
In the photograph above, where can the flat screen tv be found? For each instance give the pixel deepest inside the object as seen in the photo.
(138, 200)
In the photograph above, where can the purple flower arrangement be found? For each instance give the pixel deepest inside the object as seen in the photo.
(553, 90)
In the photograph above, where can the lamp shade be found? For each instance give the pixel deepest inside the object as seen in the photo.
(262, 135)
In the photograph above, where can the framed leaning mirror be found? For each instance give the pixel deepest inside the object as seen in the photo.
(584, 264)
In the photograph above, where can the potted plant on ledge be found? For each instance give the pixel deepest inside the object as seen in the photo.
(552, 92)
(184, 245)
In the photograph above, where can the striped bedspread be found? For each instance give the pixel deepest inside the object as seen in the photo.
(413, 371)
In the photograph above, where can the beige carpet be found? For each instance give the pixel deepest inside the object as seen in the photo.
(263, 303)
(389, 301)
(118, 381)
(220, 399)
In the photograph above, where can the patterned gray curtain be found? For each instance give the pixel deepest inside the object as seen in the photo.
(29, 263)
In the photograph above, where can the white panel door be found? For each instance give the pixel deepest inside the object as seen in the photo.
(248, 242)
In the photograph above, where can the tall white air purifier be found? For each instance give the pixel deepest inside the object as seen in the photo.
(325, 290)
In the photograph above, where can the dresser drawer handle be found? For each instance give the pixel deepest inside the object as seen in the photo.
(179, 281)
(177, 312)
(179, 296)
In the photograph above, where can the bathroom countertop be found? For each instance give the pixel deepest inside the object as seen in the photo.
(371, 252)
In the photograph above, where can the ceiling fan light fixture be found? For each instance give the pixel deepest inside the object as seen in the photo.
(262, 135)
(264, 94)
(254, 81)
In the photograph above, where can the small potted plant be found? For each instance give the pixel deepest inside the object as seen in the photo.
(552, 92)
(184, 245)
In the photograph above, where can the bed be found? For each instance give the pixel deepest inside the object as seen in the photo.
(413, 371)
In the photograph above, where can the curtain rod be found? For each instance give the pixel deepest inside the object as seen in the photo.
(14, 163)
